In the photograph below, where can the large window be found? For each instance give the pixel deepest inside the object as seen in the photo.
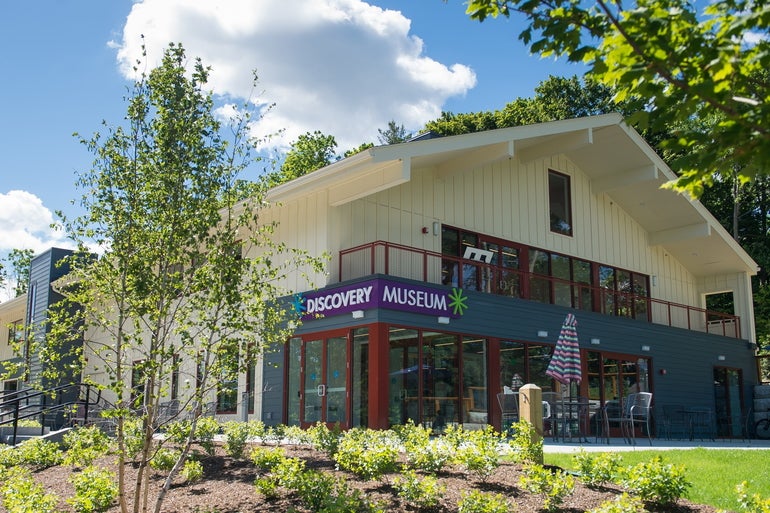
(560, 203)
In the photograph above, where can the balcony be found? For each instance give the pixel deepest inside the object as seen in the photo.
(407, 262)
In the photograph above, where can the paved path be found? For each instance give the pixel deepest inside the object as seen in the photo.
(617, 444)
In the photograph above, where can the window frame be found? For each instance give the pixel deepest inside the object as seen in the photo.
(560, 208)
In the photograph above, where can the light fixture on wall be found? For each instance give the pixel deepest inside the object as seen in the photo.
(443, 320)
(595, 341)
(645, 348)
(654, 280)
(542, 334)
(358, 314)
(721, 358)
(436, 228)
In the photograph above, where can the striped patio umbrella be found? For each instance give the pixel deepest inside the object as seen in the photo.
(564, 366)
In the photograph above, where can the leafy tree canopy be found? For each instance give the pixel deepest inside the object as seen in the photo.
(670, 62)
(555, 98)
(17, 271)
(393, 134)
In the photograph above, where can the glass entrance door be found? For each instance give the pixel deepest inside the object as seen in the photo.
(324, 378)
(728, 399)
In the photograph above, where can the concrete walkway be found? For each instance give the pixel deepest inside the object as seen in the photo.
(642, 444)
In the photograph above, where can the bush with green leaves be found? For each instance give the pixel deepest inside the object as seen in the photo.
(274, 434)
(597, 469)
(9, 457)
(288, 472)
(206, 429)
(236, 437)
(95, 490)
(478, 452)
(267, 458)
(165, 458)
(476, 501)
(39, 453)
(133, 437)
(21, 494)
(324, 439)
(420, 493)
(257, 430)
(623, 503)
(655, 482)
(553, 486)
(84, 444)
(751, 502)
(525, 446)
(367, 453)
(192, 471)
(296, 435)
(431, 457)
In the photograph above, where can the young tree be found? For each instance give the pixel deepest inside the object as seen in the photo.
(393, 134)
(307, 154)
(17, 272)
(671, 62)
(191, 280)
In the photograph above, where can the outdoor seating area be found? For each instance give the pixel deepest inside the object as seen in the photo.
(682, 422)
(635, 413)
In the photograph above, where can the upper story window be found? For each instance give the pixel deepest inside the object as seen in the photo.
(560, 202)
(15, 333)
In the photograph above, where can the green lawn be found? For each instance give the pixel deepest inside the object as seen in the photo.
(713, 473)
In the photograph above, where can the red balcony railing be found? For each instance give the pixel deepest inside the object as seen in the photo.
(407, 262)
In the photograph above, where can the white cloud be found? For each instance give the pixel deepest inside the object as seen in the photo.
(343, 67)
(26, 224)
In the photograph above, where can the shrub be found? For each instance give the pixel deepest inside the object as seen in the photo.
(296, 435)
(525, 446)
(95, 490)
(205, 430)
(288, 472)
(133, 437)
(432, 456)
(257, 429)
(479, 452)
(192, 471)
(476, 501)
(9, 457)
(623, 503)
(419, 493)
(267, 458)
(84, 445)
(39, 453)
(236, 437)
(165, 459)
(597, 470)
(324, 439)
(178, 431)
(367, 453)
(751, 503)
(274, 434)
(21, 494)
(655, 482)
(553, 486)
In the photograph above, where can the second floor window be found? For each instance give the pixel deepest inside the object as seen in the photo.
(560, 203)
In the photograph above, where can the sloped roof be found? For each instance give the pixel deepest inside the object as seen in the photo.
(615, 158)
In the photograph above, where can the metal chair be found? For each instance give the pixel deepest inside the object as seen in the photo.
(509, 409)
(636, 410)
(675, 421)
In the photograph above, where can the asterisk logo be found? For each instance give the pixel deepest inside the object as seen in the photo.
(457, 301)
(299, 303)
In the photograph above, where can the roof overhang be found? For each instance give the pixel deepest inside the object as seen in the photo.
(616, 159)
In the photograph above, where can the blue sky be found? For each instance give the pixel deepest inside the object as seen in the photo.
(345, 67)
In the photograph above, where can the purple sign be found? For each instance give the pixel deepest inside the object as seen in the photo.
(383, 294)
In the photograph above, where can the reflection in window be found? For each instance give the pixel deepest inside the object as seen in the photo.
(560, 203)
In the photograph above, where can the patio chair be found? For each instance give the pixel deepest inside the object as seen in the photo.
(569, 416)
(509, 409)
(636, 411)
(675, 422)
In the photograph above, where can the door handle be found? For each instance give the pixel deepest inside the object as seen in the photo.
(321, 390)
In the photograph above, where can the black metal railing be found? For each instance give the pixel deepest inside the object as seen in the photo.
(55, 403)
